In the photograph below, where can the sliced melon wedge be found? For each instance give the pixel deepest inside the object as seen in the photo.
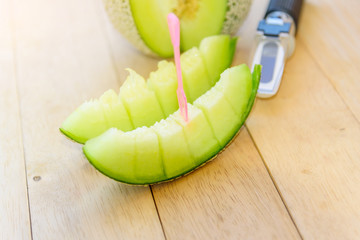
(194, 73)
(115, 114)
(142, 104)
(214, 48)
(95, 117)
(199, 135)
(173, 147)
(176, 154)
(164, 83)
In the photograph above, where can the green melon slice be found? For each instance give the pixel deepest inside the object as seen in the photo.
(195, 76)
(147, 147)
(115, 114)
(164, 83)
(95, 117)
(214, 48)
(219, 113)
(199, 135)
(140, 102)
(198, 19)
(230, 88)
(127, 111)
(176, 154)
(173, 147)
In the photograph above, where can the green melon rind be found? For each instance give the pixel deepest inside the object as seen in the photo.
(232, 47)
(236, 13)
(119, 12)
(72, 136)
(256, 75)
(255, 84)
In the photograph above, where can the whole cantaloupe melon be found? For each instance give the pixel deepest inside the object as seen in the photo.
(143, 22)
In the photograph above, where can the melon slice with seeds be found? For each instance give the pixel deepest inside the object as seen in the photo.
(143, 22)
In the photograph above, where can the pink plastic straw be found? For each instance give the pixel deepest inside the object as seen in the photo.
(174, 28)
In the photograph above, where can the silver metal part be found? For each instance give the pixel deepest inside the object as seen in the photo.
(272, 51)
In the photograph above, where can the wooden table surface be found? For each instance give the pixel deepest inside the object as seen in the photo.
(293, 172)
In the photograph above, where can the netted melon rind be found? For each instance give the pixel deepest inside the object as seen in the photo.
(236, 13)
(119, 12)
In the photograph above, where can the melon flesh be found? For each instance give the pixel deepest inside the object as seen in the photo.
(164, 83)
(198, 19)
(232, 92)
(214, 48)
(148, 160)
(143, 104)
(219, 114)
(195, 76)
(198, 133)
(143, 23)
(112, 144)
(96, 116)
(173, 147)
(140, 102)
(88, 121)
(115, 114)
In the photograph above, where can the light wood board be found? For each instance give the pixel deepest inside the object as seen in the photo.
(14, 212)
(336, 47)
(62, 60)
(293, 173)
(310, 142)
(309, 134)
(231, 197)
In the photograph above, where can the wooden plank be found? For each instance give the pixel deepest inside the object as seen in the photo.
(306, 134)
(62, 60)
(231, 197)
(14, 212)
(310, 142)
(336, 47)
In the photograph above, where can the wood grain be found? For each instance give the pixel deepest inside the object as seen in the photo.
(231, 197)
(336, 47)
(310, 142)
(297, 176)
(307, 134)
(62, 60)
(14, 220)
